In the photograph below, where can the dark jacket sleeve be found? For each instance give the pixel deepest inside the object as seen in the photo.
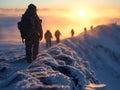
(38, 26)
(41, 30)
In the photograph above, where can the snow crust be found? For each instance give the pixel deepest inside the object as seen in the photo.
(90, 61)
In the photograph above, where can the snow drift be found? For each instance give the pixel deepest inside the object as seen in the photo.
(101, 48)
(58, 68)
(78, 63)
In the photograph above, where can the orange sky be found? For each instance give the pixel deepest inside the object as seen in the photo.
(76, 14)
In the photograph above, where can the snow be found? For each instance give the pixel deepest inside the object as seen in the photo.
(58, 67)
(100, 47)
(92, 86)
(89, 61)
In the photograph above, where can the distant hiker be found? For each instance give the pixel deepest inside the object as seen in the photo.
(72, 32)
(85, 29)
(57, 36)
(48, 37)
(91, 27)
(31, 32)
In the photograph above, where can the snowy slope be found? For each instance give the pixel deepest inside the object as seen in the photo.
(56, 68)
(101, 48)
(79, 63)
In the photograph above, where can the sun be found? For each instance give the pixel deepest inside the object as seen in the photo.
(81, 13)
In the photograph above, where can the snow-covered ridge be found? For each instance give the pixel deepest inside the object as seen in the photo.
(100, 44)
(59, 67)
(76, 63)
(101, 48)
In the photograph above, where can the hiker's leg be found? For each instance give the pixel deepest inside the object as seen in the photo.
(50, 43)
(58, 40)
(46, 44)
(28, 49)
(35, 49)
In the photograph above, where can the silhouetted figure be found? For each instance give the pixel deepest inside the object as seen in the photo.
(48, 37)
(91, 27)
(31, 31)
(85, 29)
(57, 36)
(72, 32)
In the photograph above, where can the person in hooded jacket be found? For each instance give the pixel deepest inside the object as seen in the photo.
(57, 36)
(48, 36)
(31, 32)
(72, 32)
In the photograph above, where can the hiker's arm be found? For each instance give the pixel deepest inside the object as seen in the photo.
(41, 34)
(41, 30)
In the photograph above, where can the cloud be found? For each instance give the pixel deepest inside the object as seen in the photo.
(11, 11)
(6, 21)
(53, 19)
(99, 21)
(8, 29)
(16, 11)
(9, 34)
(55, 9)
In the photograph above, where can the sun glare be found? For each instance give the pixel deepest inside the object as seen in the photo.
(81, 13)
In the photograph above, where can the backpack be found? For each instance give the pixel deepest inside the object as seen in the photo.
(21, 29)
(25, 26)
(29, 25)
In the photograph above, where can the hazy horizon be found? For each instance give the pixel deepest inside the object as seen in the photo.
(58, 14)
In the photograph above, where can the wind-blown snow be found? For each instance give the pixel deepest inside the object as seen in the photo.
(90, 60)
(101, 48)
(58, 67)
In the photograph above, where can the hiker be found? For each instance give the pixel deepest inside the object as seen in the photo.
(48, 37)
(91, 27)
(57, 36)
(72, 32)
(31, 32)
(85, 29)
